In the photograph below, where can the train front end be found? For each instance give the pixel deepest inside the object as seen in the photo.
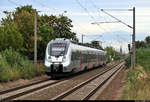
(57, 57)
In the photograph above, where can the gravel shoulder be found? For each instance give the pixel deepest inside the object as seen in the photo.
(115, 88)
(20, 82)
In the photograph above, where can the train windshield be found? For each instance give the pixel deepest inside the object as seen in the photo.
(58, 49)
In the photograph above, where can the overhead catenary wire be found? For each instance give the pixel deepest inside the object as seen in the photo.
(14, 3)
(121, 22)
(88, 13)
(45, 6)
(97, 8)
(116, 18)
(94, 5)
(86, 10)
(121, 27)
(101, 16)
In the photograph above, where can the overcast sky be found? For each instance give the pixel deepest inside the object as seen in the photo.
(85, 12)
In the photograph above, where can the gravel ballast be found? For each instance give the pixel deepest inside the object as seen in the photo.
(53, 91)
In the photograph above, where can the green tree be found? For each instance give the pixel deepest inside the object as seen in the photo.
(87, 44)
(10, 37)
(48, 28)
(96, 44)
(61, 25)
(147, 39)
(143, 44)
(110, 50)
(140, 44)
(23, 17)
(111, 53)
(47, 34)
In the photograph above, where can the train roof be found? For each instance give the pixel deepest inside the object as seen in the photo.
(77, 44)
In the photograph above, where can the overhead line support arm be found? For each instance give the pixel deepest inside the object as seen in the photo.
(116, 18)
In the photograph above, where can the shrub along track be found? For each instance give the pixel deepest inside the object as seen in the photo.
(15, 92)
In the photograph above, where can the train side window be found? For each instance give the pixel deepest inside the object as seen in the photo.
(78, 55)
(72, 56)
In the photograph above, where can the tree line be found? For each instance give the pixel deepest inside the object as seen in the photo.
(17, 30)
(143, 44)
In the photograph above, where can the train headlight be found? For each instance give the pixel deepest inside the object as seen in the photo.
(49, 59)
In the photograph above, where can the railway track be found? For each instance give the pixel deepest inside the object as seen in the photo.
(23, 86)
(23, 90)
(14, 93)
(88, 88)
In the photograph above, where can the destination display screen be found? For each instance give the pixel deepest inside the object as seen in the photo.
(58, 49)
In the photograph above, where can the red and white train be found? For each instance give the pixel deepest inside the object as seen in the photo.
(63, 56)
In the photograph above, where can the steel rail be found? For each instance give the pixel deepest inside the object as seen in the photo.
(61, 96)
(101, 84)
(23, 86)
(30, 91)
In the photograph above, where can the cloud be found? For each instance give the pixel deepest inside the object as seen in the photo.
(117, 45)
(142, 24)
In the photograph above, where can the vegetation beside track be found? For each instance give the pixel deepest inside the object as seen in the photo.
(137, 86)
(113, 55)
(14, 66)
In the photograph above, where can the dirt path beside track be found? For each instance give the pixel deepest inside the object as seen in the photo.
(115, 88)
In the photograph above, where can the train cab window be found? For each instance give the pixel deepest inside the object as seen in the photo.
(57, 49)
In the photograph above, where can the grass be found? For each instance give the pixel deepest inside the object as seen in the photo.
(137, 86)
(14, 66)
(143, 58)
(40, 69)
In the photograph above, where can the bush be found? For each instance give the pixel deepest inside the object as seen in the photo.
(14, 73)
(13, 57)
(138, 80)
(40, 69)
(27, 69)
(14, 66)
(28, 72)
(142, 58)
(128, 61)
(137, 85)
(4, 70)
